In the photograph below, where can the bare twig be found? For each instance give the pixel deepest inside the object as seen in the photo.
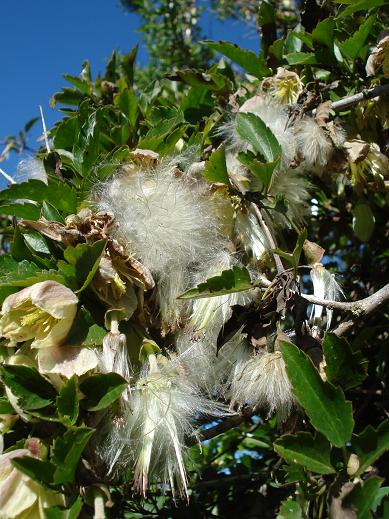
(226, 425)
(7, 177)
(361, 307)
(370, 93)
(44, 130)
(358, 308)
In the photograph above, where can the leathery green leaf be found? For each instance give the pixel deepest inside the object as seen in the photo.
(324, 404)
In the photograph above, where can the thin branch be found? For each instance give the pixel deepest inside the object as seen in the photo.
(44, 130)
(7, 177)
(370, 93)
(226, 425)
(361, 307)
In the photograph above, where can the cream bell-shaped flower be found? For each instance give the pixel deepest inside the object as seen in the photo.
(43, 313)
(20, 496)
(284, 88)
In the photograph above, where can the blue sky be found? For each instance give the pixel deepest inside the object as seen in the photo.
(43, 39)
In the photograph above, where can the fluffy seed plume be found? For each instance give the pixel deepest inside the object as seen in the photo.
(167, 220)
(30, 168)
(153, 433)
(204, 367)
(325, 287)
(262, 382)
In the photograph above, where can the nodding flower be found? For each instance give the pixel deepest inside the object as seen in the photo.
(43, 313)
(284, 88)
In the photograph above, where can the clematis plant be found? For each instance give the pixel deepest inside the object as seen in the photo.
(43, 313)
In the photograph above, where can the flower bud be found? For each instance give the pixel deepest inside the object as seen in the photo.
(43, 312)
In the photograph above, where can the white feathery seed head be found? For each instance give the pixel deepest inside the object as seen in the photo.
(262, 382)
(325, 287)
(314, 146)
(249, 233)
(153, 432)
(30, 168)
(295, 187)
(168, 220)
(204, 367)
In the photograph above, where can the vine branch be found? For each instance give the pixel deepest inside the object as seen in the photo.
(361, 307)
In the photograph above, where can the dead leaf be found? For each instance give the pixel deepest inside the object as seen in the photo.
(322, 114)
(53, 230)
(313, 252)
(145, 158)
(357, 150)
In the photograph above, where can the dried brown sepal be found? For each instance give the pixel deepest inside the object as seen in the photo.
(313, 252)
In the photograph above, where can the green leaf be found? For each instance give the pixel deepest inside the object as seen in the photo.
(343, 367)
(36, 242)
(294, 257)
(27, 211)
(263, 171)
(253, 130)
(230, 281)
(67, 96)
(66, 133)
(67, 450)
(81, 84)
(290, 510)
(313, 453)
(85, 258)
(29, 387)
(370, 444)
(31, 123)
(101, 390)
(301, 58)
(67, 402)
(85, 332)
(128, 104)
(363, 221)
(60, 194)
(363, 496)
(5, 406)
(57, 512)
(325, 405)
(324, 32)
(38, 470)
(26, 274)
(360, 5)
(216, 168)
(197, 78)
(51, 213)
(87, 147)
(353, 45)
(247, 59)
